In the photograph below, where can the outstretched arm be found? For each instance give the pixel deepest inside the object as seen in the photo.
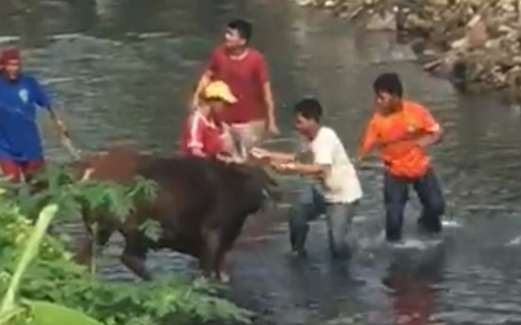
(272, 156)
(369, 142)
(203, 82)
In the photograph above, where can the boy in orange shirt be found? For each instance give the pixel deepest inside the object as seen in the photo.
(401, 130)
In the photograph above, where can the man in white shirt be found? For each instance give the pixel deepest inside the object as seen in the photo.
(336, 190)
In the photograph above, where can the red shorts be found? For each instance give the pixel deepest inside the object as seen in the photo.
(16, 169)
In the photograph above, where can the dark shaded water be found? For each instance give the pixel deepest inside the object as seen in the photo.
(122, 70)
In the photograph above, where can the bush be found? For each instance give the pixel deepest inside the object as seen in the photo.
(54, 277)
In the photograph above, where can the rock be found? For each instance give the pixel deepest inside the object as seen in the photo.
(476, 42)
(387, 21)
(462, 43)
(438, 3)
(306, 2)
(330, 3)
(413, 21)
(493, 43)
(476, 35)
(477, 32)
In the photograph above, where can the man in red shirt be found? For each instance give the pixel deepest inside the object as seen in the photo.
(203, 134)
(244, 70)
(402, 130)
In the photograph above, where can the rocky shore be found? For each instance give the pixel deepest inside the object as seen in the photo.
(474, 43)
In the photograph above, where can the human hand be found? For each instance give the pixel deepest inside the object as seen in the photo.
(62, 128)
(259, 153)
(283, 167)
(272, 128)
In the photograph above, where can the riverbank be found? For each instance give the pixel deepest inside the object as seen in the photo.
(474, 43)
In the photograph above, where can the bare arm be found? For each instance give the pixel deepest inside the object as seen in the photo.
(203, 82)
(312, 170)
(430, 139)
(420, 138)
(369, 142)
(272, 156)
(270, 109)
(282, 157)
(64, 135)
(59, 123)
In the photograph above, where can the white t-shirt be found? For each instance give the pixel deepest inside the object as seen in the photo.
(342, 184)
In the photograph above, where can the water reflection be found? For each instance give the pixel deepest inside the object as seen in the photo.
(413, 296)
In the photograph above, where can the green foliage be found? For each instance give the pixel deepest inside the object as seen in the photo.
(152, 229)
(57, 185)
(54, 278)
(45, 313)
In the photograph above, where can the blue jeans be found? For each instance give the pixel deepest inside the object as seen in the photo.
(339, 216)
(396, 195)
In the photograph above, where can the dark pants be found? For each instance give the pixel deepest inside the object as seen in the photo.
(396, 195)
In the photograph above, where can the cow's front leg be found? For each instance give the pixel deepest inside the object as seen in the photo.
(134, 256)
(210, 252)
(103, 233)
(84, 254)
(219, 268)
(137, 265)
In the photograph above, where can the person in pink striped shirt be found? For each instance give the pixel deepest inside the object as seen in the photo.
(204, 135)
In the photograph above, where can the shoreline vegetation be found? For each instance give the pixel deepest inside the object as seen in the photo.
(476, 44)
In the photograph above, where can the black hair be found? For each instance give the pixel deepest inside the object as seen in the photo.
(389, 83)
(309, 108)
(242, 26)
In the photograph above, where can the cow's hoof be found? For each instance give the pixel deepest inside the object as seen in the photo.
(224, 277)
(83, 259)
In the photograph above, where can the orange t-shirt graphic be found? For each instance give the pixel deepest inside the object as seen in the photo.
(402, 157)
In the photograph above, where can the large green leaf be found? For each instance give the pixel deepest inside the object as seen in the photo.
(45, 313)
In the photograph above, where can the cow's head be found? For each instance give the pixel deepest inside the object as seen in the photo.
(261, 177)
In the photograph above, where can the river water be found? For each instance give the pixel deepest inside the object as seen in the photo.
(122, 70)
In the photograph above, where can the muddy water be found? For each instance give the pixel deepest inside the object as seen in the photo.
(122, 71)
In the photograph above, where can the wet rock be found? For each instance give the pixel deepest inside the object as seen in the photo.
(342, 321)
(439, 3)
(385, 21)
(306, 2)
(346, 320)
(481, 35)
(330, 3)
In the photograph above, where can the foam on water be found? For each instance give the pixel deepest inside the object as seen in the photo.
(413, 243)
(451, 224)
(515, 242)
(9, 39)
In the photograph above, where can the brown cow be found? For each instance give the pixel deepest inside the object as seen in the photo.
(201, 206)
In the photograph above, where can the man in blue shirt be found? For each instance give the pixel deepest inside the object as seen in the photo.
(21, 152)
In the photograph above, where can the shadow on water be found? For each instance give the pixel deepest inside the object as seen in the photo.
(122, 70)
